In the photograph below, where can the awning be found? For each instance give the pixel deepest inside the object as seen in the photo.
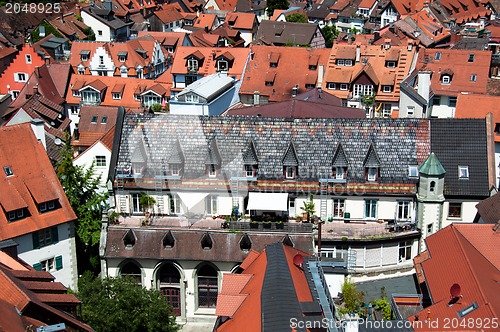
(191, 199)
(268, 201)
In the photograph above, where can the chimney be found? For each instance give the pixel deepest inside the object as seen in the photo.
(358, 51)
(107, 4)
(35, 89)
(376, 36)
(38, 128)
(424, 84)
(321, 73)
(256, 98)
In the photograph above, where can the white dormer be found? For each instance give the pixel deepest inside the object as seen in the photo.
(101, 63)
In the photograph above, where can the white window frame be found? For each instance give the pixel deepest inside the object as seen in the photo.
(473, 78)
(122, 58)
(116, 95)
(42, 207)
(192, 64)
(48, 265)
(290, 172)
(446, 79)
(449, 215)
(331, 86)
(100, 161)
(21, 77)
(412, 171)
(344, 86)
(224, 64)
(174, 204)
(249, 171)
(76, 93)
(405, 249)
(51, 205)
(391, 64)
(338, 207)
(212, 170)
(463, 172)
(137, 168)
(371, 209)
(339, 173)
(403, 210)
(410, 111)
(386, 88)
(430, 228)
(81, 71)
(12, 215)
(372, 174)
(211, 205)
(175, 169)
(84, 57)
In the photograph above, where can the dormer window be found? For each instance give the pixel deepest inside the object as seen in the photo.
(81, 70)
(412, 171)
(137, 168)
(84, 55)
(339, 173)
(192, 65)
(117, 95)
(175, 169)
(390, 64)
(471, 58)
(331, 86)
(446, 79)
(46, 206)
(16, 214)
(473, 78)
(122, 56)
(290, 172)
(137, 97)
(222, 65)
(76, 93)
(437, 56)
(386, 88)
(8, 170)
(313, 67)
(372, 174)
(250, 171)
(212, 170)
(463, 172)
(344, 62)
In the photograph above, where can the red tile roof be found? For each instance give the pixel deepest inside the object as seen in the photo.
(290, 60)
(477, 106)
(242, 303)
(463, 10)
(34, 181)
(241, 21)
(455, 62)
(462, 254)
(170, 13)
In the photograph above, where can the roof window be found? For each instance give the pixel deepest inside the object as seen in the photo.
(8, 170)
(463, 172)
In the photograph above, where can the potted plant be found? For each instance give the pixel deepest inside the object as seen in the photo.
(280, 224)
(254, 224)
(308, 208)
(146, 202)
(266, 224)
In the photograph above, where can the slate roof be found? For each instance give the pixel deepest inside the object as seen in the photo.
(187, 246)
(399, 143)
(489, 209)
(281, 33)
(462, 142)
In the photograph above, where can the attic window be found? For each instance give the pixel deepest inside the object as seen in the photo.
(287, 241)
(344, 62)
(471, 58)
(206, 242)
(168, 240)
(245, 243)
(129, 239)
(290, 172)
(175, 169)
(464, 312)
(222, 65)
(192, 65)
(104, 119)
(8, 170)
(437, 56)
(250, 171)
(84, 55)
(473, 77)
(446, 79)
(390, 64)
(313, 67)
(463, 172)
(371, 174)
(122, 56)
(412, 171)
(386, 88)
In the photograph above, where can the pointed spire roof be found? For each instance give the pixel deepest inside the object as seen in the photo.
(290, 157)
(250, 154)
(177, 156)
(432, 166)
(339, 157)
(371, 159)
(213, 155)
(139, 155)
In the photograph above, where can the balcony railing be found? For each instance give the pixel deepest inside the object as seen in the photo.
(270, 227)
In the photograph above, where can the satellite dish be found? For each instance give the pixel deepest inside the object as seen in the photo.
(455, 290)
(298, 260)
(57, 141)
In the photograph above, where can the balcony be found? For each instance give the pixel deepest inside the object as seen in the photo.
(365, 230)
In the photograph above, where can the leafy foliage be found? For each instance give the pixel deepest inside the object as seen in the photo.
(276, 4)
(81, 187)
(49, 29)
(119, 304)
(90, 33)
(384, 306)
(353, 300)
(309, 208)
(146, 201)
(296, 17)
(331, 33)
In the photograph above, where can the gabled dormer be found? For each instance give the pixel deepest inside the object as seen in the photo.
(168, 240)
(206, 241)
(372, 164)
(274, 59)
(250, 161)
(446, 76)
(339, 164)
(139, 159)
(93, 93)
(224, 61)
(245, 243)
(290, 163)
(194, 61)
(129, 239)
(85, 55)
(213, 159)
(176, 161)
(345, 56)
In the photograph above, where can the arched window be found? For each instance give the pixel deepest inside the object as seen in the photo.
(207, 287)
(132, 270)
(169, 280)
(432, 186)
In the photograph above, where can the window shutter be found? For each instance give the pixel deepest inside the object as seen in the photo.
(37, 266)
(36, 242)
(59, 264)
(54, 235)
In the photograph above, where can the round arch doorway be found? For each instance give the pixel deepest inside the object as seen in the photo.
(169, 284)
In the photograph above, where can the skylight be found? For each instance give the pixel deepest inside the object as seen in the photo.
(8, 170)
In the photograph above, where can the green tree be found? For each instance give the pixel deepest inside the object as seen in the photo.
(353, 300)
(331, 33)
(146, 201)
(276, 4)
(49, 29)
(119, 304)
(384, 306)
(309, 208)
(82, 189)
(296, 17)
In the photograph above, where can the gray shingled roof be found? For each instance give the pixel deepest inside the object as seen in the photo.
(290, 158)
(462, 142)
(399, 143)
